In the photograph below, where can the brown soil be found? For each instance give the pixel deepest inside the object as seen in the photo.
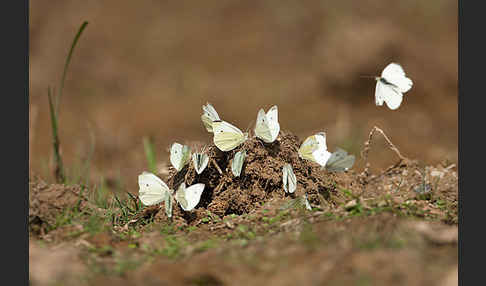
(261, 178)
(365, 229)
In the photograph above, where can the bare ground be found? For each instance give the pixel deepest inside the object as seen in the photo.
(397, 227)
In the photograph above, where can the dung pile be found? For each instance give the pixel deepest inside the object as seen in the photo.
(260, 179)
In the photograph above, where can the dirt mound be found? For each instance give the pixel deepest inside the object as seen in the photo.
(260, 179)
(48, 203)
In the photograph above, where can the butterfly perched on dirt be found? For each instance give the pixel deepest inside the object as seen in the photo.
(227, 136)
(340, 161)
(189, 197)
(200, 161)
(179, 155)
(288, 179)
(209, 115)
(267, 126)
(237, 163)
(314, 149)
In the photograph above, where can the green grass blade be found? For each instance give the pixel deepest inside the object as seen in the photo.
(59, 171)
(150, 154)
(66, 64)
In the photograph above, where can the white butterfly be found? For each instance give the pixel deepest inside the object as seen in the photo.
(267, 126)
(314, 148)
(340, 161)
(152, 189)
(179, 155)
(307, 204)
(209, 115)
(226, 136)
(288, 178)
(391, 86)
(200, 161)
(189, 197)
(168, 206)
(237, 163)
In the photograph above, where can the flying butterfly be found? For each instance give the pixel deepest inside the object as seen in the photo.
(152, 190)
(200, 161)
(189, 197)
(237, 163)
(226, 136)
(179, 155)
(288, 179)
(314, 149)
(209, 115)
(391, 85)
(340, 161)
(267, 126)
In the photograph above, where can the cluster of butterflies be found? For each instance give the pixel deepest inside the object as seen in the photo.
(226, 137)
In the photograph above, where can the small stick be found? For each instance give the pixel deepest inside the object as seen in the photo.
(216, 166)
(219, 187)
(366, 149)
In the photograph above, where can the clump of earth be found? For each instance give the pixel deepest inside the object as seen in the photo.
(260, 179)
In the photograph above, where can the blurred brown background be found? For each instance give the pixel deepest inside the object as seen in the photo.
(145, 68)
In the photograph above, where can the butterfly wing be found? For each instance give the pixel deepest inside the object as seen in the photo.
(168, 206)
(200, 161)
(262, 127)
(340, 161)
(152, 190)
(209, 115)
(180, 196)
(237, 163)
(289, 179)
(285, 178)
(379, 93)
(306, 202)
(321, 155)
(392, 96)
(226, 136)
(394, 74)
(309, 145)
(272, 121)
(179, 155)
(193, 195)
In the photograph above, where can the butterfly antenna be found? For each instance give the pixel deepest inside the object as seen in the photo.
(368, 76)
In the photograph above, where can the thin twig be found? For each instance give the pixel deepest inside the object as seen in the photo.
(367, 147)
(216, 166)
